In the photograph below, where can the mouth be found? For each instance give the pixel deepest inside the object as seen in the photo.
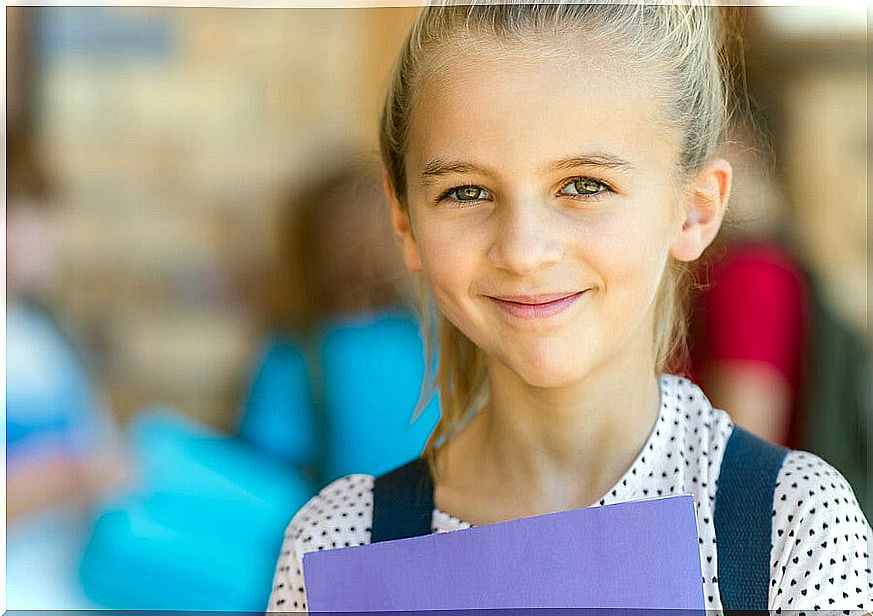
(536, 306)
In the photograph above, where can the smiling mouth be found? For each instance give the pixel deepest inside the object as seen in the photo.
(536, 306)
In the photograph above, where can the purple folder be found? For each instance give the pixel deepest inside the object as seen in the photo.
(642, 554)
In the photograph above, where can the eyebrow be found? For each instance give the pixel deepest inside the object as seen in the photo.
(438, 167)
(598, 159)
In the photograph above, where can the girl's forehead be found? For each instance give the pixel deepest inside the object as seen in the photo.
(489, 97)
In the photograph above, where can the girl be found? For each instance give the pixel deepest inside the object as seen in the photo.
(551, 171)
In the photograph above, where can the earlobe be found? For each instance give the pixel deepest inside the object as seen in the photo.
(705, 203)
(402, 225)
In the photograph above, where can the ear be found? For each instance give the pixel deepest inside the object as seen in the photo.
(703, 209)
(402, 226)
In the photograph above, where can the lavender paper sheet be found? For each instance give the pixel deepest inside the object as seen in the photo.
(641, 554)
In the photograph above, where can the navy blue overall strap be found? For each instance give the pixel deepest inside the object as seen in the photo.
(403, 503)
(743, 519)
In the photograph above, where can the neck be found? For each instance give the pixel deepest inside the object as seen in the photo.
(541, 450)
(552, 439)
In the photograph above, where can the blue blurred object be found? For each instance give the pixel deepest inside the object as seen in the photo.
(278, 415)
(177, 456)
(52, 413)
(204, 526)
(372, 369)
(202, 530)
(103, 33)
(49, 399)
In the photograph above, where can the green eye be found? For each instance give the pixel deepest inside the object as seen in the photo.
(584, 186)
(469, 193)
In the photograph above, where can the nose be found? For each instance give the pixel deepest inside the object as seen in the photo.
(527, 240)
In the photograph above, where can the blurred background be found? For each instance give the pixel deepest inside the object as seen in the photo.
(207, 319)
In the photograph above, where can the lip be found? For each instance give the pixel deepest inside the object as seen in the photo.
(536, 306)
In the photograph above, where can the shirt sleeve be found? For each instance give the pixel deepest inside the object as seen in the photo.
(820, 554)
(338, 517)
(288, 593)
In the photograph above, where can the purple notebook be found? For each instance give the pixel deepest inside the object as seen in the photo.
(642, 554)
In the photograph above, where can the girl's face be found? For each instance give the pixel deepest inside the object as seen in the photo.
(544, 202)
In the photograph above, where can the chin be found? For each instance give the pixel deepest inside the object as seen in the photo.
(550, 375)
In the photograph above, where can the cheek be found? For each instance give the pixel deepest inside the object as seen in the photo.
(631, 253)
(446, 262)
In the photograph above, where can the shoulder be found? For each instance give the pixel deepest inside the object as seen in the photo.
(338, 516)
(819, 539)
(807, 479)
(808, 488)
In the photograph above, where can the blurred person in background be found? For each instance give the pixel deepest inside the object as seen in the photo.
(337, 299)
(765, 341)
(337, 253)
(60, 441)
(748, 326)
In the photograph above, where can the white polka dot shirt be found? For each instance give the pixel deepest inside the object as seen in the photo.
(819, 541)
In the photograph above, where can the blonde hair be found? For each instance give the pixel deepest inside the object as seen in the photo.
(683, 41)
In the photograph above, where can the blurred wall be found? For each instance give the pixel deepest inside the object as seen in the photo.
(170, 132)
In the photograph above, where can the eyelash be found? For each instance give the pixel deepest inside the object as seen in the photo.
(446, 195)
